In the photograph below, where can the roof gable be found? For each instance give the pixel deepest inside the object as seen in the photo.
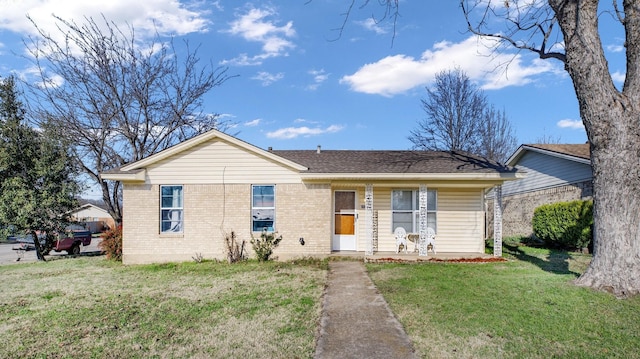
(580, 153)
(89, 207)
(136, 171)
(207, 136)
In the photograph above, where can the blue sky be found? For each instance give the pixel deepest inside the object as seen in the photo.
(300, 85)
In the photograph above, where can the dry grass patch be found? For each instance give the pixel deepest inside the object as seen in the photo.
(89, 307)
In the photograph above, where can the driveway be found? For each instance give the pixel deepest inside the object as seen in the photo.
(9, 256)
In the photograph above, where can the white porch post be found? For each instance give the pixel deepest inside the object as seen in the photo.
(368, 218)
(422, 226)
(497, 221)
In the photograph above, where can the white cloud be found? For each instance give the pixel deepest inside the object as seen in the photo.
(615, 48)
(31, 73)
(293, 132)
(253, 123)
(371, 25)
(147, 17)
(476, 56)
(254, 26)
(303, 120)
(573, 124)
(319, 76)
(618, 76)
(268, 78)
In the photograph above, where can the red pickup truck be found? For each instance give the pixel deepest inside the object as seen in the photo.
(71, 241)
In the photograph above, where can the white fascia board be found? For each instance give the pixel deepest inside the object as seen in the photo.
(413, 176)
(126, 176)
(522, 149)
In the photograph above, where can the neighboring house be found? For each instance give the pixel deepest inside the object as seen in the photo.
(554, 173)
(183, 201)
(93, 218)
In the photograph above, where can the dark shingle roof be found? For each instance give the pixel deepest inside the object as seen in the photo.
(581, 150)
(342, 161)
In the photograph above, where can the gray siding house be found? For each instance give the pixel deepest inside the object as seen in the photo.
(554, 173)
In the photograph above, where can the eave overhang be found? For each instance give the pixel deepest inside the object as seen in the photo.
(137, 175)
(489, 177)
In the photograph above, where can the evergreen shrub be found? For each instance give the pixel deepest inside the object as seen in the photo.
(565, 225)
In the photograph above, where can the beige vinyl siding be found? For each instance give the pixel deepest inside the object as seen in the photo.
(215, 162)
(460, 219)
(382, 204)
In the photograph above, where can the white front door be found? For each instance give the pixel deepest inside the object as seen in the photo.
(344, 221)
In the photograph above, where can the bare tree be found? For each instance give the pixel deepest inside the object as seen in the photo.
(117, 98)
(567, 30)
(497, 138)
(459, 118)
(547, 138)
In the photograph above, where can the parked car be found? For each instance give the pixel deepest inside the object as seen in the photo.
(71, 241)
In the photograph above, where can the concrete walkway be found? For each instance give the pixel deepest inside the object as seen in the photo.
(356, 321)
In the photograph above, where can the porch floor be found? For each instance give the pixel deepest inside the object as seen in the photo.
(413, 257)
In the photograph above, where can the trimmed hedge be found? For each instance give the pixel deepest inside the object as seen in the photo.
(564, 224)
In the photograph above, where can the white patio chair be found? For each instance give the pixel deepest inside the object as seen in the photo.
(431, 239)
(401, 238)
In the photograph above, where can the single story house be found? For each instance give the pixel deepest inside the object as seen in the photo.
(554, 173)
(183, 201)
(93, 218)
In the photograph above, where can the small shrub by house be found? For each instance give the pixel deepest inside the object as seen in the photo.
(564, 224)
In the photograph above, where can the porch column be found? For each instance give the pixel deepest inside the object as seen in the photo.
(368, 218)
(497, 221)
(422, 226)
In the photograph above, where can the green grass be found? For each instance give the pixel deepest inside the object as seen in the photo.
(524, 308)
(89, 307)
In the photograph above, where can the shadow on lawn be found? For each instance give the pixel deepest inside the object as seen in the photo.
(557, 261)
(82, 254)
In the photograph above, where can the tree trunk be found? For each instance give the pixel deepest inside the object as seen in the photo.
(616, 262)
(36, 244)
(611, 118)
(110, 199)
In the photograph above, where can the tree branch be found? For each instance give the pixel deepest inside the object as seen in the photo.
(540, 28)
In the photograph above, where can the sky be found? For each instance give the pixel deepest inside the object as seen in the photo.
(298, 82)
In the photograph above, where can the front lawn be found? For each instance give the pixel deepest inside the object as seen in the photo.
(92, 308)
(524, 308)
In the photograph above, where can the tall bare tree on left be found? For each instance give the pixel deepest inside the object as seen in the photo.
(38, 186)
(117, 97)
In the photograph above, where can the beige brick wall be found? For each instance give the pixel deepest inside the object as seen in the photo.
(303, 211)
(211, 211)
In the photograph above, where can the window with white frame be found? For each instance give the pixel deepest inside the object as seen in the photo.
(263, 208)
(405, 207)
(171, 209)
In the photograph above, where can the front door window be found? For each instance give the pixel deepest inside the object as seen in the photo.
(345, 216)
